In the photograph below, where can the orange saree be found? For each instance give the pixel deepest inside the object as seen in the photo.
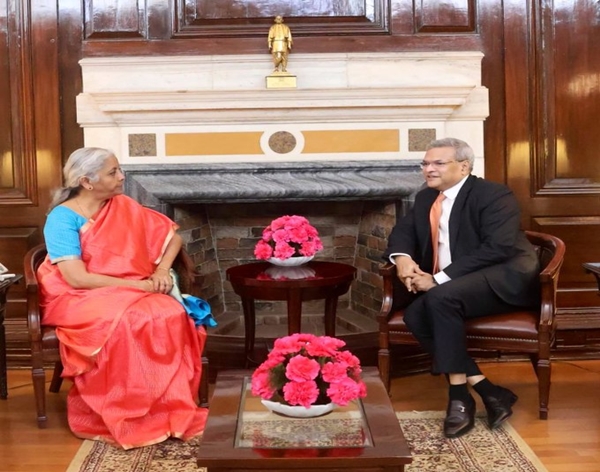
(134, 357)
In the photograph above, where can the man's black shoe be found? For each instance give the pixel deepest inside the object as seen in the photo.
(460, 417)
(498, 407)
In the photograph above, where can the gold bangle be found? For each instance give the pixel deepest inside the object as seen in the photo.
(161, 268)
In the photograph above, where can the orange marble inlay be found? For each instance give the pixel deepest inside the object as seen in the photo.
(205, 144)
(355, 140)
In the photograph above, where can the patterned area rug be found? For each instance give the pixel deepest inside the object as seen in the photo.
(482, 450)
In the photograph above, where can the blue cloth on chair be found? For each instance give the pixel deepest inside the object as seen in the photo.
(197, 308)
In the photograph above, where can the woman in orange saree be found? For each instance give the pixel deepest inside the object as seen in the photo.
(131, 350)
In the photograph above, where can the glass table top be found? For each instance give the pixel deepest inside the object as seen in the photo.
(257, 427)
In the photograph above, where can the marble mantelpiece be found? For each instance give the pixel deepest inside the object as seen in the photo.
(216, 109)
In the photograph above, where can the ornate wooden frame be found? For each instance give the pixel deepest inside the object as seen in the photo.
(190, 21)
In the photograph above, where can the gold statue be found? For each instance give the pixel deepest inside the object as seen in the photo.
(280, 44)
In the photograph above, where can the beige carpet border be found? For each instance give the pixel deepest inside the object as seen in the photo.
(91, 455)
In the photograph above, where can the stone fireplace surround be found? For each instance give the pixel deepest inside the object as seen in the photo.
(222, 209)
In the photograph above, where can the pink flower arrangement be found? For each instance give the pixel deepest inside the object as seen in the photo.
(288, 236)
(304, 369)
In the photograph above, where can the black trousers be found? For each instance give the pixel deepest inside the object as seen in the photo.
(437, 320)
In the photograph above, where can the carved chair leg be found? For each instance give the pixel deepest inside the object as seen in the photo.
(534, 359)
(384, 367)
(56, 377)
(39, 390)
(544, 371)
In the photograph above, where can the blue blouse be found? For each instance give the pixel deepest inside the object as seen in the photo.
(61, 233)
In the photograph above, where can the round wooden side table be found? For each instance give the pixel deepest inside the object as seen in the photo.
(315, 280)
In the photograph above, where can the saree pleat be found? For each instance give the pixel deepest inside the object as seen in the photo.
(134, 357)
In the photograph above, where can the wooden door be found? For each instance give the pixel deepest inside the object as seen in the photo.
(29, 143)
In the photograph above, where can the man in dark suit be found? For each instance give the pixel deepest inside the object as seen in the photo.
(481, 265)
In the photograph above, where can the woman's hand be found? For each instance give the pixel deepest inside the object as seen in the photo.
(161, 279)
(146, 285)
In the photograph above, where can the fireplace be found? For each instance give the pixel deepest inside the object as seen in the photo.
(222, 210)
(202, 140)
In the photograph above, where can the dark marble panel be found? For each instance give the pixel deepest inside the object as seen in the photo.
(160, 186)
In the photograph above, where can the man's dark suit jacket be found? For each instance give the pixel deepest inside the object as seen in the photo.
(484, 236)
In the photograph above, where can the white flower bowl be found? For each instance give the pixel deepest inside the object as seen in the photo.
(299, 411)
(291, 261)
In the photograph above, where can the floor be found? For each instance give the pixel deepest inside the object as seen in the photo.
(569, 441)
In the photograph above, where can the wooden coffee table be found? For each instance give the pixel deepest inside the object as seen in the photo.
(242, 436)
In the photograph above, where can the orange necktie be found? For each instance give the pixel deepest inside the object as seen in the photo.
(434, 219)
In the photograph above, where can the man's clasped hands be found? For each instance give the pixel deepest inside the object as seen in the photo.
(411, 275)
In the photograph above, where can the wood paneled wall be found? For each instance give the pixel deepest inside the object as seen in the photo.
(30, 135)
(541, 68)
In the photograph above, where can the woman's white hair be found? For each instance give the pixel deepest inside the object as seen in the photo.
(84, 162)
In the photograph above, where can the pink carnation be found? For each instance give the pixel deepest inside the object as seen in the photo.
(348, 358)
(301, 393)
(261, 385)
(334, 372)
(267, 234)
(262, 250)
(324, 346)
(283, 251)
(297, 235)
(343, 392)
(302, 368)
(292, 343)
(281, 236)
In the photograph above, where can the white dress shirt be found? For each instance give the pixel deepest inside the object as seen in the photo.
(444, 255)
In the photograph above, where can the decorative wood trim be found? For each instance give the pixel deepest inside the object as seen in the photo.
(577, 318)
(113, 19)
(545, 177)
(422, 9)
(189, 24)
(22, 109)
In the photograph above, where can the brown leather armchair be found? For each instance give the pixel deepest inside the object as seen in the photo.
(45, 344)
(523, 332)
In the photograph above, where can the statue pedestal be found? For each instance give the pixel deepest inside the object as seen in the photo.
(281, 80)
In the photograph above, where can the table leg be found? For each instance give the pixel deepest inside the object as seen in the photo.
(330, 313)
(294, 308)
(249, 325)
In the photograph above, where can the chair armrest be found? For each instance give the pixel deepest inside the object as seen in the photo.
(34, 319)
(549, 279)
(388, 272)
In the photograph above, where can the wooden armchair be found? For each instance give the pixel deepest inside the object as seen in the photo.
(523, 332)
(45, 344)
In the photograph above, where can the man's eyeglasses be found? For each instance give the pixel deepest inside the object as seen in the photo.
(436, 164)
